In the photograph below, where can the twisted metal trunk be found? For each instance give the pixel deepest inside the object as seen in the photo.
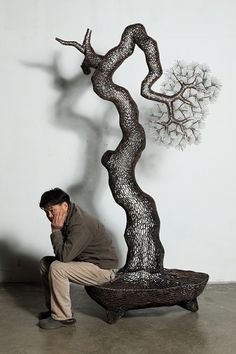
(145, 252)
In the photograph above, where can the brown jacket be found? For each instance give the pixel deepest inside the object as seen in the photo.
(83, 238)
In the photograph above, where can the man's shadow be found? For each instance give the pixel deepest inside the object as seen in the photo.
(17, 267)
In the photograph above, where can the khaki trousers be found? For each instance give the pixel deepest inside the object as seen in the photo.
(56, 277)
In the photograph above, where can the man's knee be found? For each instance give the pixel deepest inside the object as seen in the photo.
(56, 267)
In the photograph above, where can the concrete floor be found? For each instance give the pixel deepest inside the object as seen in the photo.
(212, 330)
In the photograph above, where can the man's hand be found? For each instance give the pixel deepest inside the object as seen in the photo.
(58, 220)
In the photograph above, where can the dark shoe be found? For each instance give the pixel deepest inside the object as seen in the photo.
(43, 315)
(50, 323)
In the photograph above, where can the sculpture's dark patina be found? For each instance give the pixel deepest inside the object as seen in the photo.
(142, 282)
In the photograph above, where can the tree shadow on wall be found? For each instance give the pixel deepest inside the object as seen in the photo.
(93, 132)
(17, 267)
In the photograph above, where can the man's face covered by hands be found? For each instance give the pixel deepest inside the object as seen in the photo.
(56, 214)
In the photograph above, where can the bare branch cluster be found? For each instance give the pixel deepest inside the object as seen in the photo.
(190, 88)
(91, 59)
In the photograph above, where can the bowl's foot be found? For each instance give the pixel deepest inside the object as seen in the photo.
(114, 316)
(191, 305)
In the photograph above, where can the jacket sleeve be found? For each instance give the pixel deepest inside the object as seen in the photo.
(67, 248)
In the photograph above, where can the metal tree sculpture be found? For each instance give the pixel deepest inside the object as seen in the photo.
(142, 281)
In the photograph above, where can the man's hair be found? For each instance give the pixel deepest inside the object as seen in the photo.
(52, 197)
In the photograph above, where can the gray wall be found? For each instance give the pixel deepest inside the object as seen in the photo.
(54, 129)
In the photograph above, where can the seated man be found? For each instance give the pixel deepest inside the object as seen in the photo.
(83, 254)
